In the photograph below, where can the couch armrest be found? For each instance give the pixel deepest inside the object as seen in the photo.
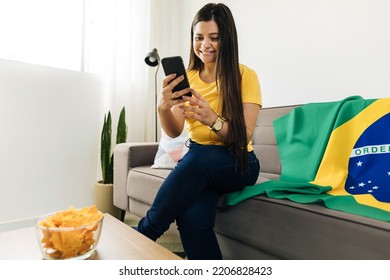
(127, 156)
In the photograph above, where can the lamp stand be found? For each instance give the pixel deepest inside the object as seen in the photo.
(153, 59)
(155, 104)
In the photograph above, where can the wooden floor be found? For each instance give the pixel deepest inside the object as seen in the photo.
(168, 240)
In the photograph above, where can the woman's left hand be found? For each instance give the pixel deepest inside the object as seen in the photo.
(198, 108)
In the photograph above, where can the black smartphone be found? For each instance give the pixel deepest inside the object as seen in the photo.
(175, 64)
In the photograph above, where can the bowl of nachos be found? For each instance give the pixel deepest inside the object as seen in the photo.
(69, 234)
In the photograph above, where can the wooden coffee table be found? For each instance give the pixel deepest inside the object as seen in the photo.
(117, 241)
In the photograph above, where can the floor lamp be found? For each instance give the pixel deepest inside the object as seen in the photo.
(152, 59)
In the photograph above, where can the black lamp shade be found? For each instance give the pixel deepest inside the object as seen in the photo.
(152, 58)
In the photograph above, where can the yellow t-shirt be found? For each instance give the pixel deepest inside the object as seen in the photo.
(250, 94)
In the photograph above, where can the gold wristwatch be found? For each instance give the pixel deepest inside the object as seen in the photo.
(217, 125)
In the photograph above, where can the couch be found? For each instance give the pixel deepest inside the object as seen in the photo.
(259, 227)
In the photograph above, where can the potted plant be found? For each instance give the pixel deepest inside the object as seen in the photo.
(104, 188)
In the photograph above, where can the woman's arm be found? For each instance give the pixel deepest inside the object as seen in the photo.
(251, 112)
(170, 115)
(200, 110)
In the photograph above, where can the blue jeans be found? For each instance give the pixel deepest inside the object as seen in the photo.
(190, 194)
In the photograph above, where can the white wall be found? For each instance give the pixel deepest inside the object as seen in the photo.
(50, 130)
(309, 50)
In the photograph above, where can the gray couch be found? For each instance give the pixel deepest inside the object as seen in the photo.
(260, 227)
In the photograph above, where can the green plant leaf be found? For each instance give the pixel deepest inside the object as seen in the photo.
(106, 156)
(105, 149)
(121, 134)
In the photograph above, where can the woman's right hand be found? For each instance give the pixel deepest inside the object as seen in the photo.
(168, 97)
(171, 116)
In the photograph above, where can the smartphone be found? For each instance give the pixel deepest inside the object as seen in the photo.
(175, 64)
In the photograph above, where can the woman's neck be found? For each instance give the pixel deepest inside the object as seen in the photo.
(207, 74)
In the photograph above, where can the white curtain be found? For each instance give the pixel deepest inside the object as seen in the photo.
(115, 43)
(117, 36)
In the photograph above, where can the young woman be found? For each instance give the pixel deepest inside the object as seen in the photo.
(221, 117)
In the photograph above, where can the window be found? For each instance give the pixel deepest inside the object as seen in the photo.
(45, 32)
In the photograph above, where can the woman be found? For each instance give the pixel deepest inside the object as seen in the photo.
(221, 117)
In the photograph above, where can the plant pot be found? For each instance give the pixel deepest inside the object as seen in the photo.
(104, 199)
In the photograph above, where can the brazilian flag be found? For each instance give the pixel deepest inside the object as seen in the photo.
(335, 153)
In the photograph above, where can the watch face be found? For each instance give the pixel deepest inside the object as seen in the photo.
(218, 125)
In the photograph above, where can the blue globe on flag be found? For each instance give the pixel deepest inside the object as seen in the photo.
(369, 163)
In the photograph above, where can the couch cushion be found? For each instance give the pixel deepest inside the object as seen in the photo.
(268, 156)
(264, 142)
(290, 230)
(145, 182)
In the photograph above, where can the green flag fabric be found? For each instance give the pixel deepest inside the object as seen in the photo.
(335, 153)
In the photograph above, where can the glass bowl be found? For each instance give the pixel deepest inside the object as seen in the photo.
(68, 242)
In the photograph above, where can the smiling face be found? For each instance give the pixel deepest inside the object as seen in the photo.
(206, 41)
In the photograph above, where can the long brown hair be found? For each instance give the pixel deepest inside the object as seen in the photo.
(228, 76)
